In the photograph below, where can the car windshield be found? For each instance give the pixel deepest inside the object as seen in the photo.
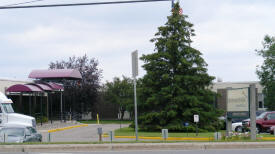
(261, 116)
(32, 130)
(7, 107)
(12, 131)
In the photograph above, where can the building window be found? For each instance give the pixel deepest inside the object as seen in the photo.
(261, 104)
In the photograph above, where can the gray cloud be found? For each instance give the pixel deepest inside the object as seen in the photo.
(227, 33)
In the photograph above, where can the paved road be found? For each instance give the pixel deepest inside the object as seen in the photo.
(81, 134)
(229, 151)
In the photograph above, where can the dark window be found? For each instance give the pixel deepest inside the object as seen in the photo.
(272, 116)
(260, 104)
(27, 131)
(32, 130)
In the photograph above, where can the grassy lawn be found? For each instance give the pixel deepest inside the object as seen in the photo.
(131, 132)
(126, 131)
(106, 122)
(265, 135)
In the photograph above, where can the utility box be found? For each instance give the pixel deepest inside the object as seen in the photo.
(217, 136)
(99, 131)
(164, 133)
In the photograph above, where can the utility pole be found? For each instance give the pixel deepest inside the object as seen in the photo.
(135, 74)
(252, 89)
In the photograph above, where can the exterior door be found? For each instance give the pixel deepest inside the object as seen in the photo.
(1, 116)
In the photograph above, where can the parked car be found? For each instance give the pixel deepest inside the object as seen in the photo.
(245, 122)
(237, 127)
(240, 124)
(265, 121)
(19, 134)
(272, 130)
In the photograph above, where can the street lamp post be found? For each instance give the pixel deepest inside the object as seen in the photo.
(135, 74)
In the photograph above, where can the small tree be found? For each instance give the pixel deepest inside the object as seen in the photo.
(120, 92)
(85, 92)
(175, 86)
(266, 72)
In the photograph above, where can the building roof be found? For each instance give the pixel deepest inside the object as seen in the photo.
(35, 87)
(71, 74)
(24, 88)
(43, 87)
(54, 86)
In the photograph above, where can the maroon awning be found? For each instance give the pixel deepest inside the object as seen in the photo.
(24, 88)
(42, 86)
(55, 86)
(72, 74)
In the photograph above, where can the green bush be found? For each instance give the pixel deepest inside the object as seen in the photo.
(44, 119)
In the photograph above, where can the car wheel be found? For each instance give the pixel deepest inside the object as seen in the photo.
(238, 129)
(258, 129)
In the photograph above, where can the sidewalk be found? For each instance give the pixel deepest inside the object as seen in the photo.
(135, 146)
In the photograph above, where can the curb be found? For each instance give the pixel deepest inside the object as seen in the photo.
(65, 128)
(134, 146)
(268, 138)
(168, 139)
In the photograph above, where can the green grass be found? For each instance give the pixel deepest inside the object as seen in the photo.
(106, 122)
(265, 135)
(126, 131)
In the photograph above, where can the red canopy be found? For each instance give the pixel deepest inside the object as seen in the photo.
(24, 88)
(35, 87)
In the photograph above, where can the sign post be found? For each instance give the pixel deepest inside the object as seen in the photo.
(186, 124)
(135, 74)
(196, 120)
(252, 93)
(237, 105)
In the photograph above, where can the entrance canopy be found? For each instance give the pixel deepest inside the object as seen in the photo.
(35, 87)
(68, 74)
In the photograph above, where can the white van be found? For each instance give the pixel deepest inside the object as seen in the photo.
(8, 117)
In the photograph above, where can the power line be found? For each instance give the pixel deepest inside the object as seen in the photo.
(22, 3)
(77, 4)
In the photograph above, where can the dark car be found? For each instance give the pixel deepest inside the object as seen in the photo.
(19, 134)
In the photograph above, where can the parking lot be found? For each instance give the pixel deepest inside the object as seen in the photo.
(81, 134)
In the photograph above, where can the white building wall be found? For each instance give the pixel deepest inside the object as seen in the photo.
(5, 83)
(224, 85)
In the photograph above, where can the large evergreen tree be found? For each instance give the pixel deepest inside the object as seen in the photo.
(266, 72)
(176, 84)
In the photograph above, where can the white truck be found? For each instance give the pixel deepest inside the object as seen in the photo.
(8, 117)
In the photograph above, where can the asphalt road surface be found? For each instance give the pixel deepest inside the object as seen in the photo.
(80, 134)
(229, 151)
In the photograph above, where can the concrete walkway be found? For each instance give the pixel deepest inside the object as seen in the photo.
(135, 146)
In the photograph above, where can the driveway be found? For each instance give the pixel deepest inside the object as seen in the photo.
(81, 134)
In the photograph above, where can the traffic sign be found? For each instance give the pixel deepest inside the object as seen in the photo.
(135, 64)
(196, 118)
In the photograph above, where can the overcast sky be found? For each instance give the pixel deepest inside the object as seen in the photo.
(227, 34)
